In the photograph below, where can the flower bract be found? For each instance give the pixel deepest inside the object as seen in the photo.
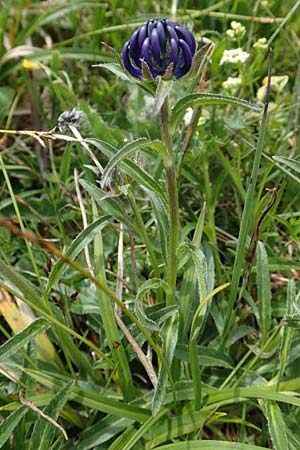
(159, 43)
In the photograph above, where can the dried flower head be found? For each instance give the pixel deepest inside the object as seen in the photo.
(159, 43)
(69, 118)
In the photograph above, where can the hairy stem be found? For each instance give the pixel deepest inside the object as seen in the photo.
(173, 204)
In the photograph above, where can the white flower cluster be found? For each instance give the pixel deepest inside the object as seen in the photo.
(232, 83)
(236, 31)
(234, 56)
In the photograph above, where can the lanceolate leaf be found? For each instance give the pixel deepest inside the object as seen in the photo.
(141, 177)
(10, 423)
(263, 290)
(93, 399)
(43, 430)
(209, 445)
(18, 341)
(205, 98)
(128, 150)
(287, 162)
(169, 335)
(79, 243)
(116, 69)
(276, 425)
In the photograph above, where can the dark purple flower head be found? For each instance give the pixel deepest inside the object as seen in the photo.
(159, 43)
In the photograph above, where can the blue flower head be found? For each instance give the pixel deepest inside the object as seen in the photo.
(159, 43)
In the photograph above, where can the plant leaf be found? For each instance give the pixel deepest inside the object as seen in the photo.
(169, 335)
(206, 98)
(18, 341)
(209, 445)
(43, 430)
(10, 423)
(263, 290)
(80, 242)
(127, 150)
(276, 425)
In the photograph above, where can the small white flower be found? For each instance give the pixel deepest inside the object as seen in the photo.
(234, 56)
(189, 114)
(232, 83)
(261, 44)
(188, 117)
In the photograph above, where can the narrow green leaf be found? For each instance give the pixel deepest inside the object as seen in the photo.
(43, 430)
(254, 392)
(287, 162)
(129, 441)
(102, 431)
(141, 177)
(10, 423)
(128, 150)
(93, 399)
(120, 442)
(116, 69)
(206, 98)
(246, 225)
(263, 290)
(194, 333)
(201, 271)
(6, 98)
(107, 204)
(207, 355)
(176, 427)
(48, 16)
(18, 341)
(277, 427)
(161, 216)
(169, 335)
(80, 242)
(189, 284)
(20, 283)
(287, 334)
(209, 445)
(35, 54)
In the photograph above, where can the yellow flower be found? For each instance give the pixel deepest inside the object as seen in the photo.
(277, 83)
(30, 65)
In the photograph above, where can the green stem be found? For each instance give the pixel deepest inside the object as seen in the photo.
(173, 204)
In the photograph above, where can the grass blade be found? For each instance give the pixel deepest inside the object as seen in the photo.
(169, 335)
(209, 445)
(277, 427)
(43, 430)
(10, 423)
(18, 341)
(246, 220)
(80, 242)
(263, 290)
